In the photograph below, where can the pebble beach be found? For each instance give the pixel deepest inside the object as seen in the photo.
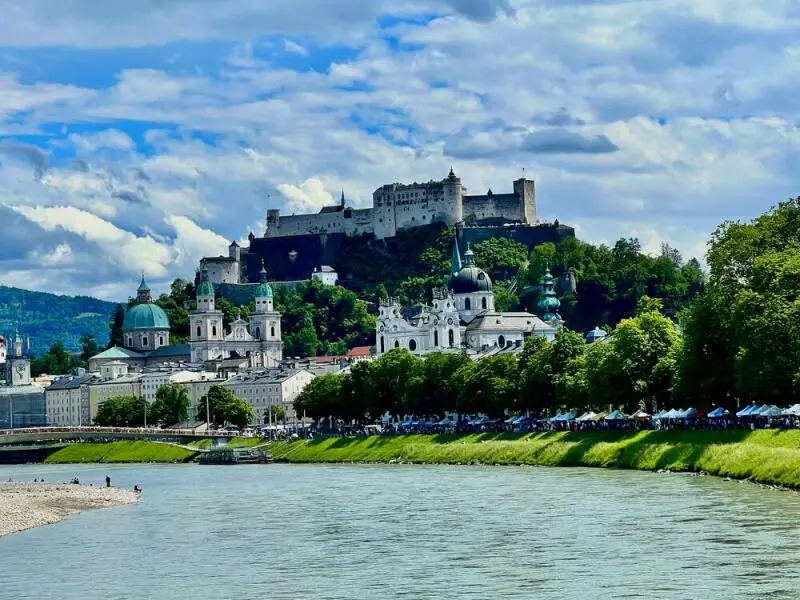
(27, 505)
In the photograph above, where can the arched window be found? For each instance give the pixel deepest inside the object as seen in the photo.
(451, 338)
(214, 330)
(412, 345)
(144, 341)
(198, 331)
(501, 341)
(396, 344)
(272, 332)
(258, 333)
(435, 338)
(383, 347)
(467, 304)
(483, 303)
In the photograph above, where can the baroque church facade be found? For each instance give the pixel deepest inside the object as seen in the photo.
(260, 337)
(463, 316)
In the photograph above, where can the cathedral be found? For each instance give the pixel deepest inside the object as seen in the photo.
(260, 337)
(463, 315)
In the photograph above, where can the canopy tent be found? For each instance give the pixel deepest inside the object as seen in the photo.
(587, 416)
(662, 414)
(563, 417)
(718, 413)
(446, 422)
(748, 410)
(770, 411)
(792, 411)
(599, 416)
(671, 414)
(640, 414)
(689, 413)
(479, 421)
(616, 416)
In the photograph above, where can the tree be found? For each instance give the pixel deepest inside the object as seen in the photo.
(274, 414)
(115, 325)
(171, 405)
(501, 258)
(56, 361)
(89, 347)
(488, 386)
(224, 407)
(320, 399)
(121, 411)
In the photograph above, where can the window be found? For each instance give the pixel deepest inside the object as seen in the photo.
(451, 338)
(467, 304)
(214, 331)
(436, 338)
(130, 341)
(161, 340)
(144, 341)
(501, 341)
(383, 347)
(198, 331)
(396, 344)
(272, 332)
(483, 303)
(258, 332)
(412, 345)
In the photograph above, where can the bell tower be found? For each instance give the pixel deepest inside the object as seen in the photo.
(18, 366)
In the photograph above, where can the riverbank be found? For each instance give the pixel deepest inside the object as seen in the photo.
(27, 505)
(121, 452)
(770, 457)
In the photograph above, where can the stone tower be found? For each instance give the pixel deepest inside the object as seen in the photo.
(453, 198)
(525, 191)
(207, 331)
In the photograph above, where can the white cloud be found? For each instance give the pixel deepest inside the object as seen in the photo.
(294, 48)
(309, 196)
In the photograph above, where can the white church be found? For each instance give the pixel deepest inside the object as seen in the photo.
(463, 316)
(260, 337)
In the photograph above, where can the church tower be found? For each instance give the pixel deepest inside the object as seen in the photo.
(207, 332)
(265, 322)
(18, 366)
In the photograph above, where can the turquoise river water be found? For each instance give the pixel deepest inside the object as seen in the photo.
(323, 532)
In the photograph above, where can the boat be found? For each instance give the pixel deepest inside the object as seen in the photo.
(235, 456)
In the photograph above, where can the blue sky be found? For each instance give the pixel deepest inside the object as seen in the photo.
(141, 136)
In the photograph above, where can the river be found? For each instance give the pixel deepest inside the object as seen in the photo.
(433, 532)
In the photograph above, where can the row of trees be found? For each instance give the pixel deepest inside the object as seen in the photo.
(635, 366)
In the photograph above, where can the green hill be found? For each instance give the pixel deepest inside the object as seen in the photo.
(46, 318)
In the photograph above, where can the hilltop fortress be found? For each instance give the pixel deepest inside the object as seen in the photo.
(295, 247)
(397, 206)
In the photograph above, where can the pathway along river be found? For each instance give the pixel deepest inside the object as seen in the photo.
(319, 532)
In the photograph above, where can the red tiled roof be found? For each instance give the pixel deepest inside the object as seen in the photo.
(359, 351)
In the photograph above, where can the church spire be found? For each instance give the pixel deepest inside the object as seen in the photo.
(455, 260)
(143, 292)
(342, 197)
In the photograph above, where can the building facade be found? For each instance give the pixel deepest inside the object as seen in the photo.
(67, 400)
(260, 336)
(462, 317)
(270, 387)
(22, 404)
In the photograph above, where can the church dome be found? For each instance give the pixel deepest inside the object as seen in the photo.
(206, 288)
(145, 316)
(469, 280)
(264, 290)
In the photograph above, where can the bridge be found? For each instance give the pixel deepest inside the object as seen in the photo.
(38, 435)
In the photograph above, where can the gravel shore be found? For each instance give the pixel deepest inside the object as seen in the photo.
(27, 505)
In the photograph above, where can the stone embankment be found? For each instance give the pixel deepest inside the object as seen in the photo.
(27, 505)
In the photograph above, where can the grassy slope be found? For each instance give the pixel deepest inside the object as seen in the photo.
(763, 456)
(120, 452)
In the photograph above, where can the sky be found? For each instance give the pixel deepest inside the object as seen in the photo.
(139, 136)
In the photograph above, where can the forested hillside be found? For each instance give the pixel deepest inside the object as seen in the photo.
(47, 318)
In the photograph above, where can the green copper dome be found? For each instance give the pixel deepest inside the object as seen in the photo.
(206, 288)
(145, 316)
(549, 304)
(264, 289)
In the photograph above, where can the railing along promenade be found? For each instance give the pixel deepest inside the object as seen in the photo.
(39, 434)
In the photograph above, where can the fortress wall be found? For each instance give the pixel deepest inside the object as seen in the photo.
(359, 221)
(415, 214)
(307, 224)
(496, 206)
(221, 271)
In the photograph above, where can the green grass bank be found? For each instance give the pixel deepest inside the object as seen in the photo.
(120, 452)
(771, 456)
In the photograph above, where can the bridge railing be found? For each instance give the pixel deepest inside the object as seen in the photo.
(112, 430)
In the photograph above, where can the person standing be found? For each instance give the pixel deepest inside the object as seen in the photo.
(108, 481)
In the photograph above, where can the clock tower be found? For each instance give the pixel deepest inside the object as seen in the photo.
(18, 367)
